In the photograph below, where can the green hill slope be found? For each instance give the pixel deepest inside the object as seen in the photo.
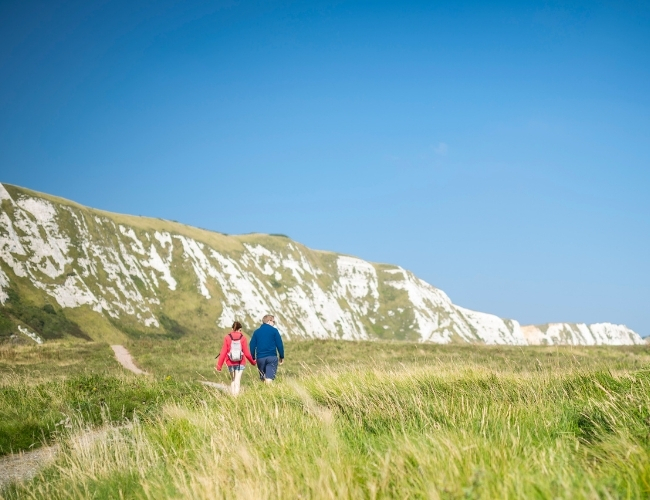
(69, 270)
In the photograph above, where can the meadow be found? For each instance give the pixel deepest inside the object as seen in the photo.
(343, 420)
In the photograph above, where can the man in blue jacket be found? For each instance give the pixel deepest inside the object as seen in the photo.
(266, 347)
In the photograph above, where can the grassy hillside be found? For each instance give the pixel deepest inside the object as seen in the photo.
(350, 420)
(68, 271)
(106, 256)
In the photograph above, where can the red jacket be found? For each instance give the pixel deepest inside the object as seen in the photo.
(223, 355)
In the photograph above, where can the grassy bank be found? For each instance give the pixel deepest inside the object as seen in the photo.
(379, 421)
(45, 389)
(192, 358)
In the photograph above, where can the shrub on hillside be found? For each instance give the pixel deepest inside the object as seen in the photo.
(6, 326)
(46, 321)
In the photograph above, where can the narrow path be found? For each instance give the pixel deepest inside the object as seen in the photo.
(216, 385)
(25, 465)
(124, 358)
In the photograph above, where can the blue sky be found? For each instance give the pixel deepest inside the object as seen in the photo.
(501, 151)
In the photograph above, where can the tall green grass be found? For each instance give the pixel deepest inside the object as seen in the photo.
(34, 414)
(192, 357)
(43, 389)
(393, 431)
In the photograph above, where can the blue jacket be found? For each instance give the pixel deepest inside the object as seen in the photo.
(266, 339)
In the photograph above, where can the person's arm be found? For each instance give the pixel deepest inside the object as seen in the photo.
(247, 353)
(279, 346)
(253, 346)
(223, 353)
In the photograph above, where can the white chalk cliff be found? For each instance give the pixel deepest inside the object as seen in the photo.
(133, 269)
(580, 334)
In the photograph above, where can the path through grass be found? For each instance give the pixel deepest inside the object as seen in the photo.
(380, 421)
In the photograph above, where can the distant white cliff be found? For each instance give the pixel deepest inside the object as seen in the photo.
(135, 269)
(580, 334)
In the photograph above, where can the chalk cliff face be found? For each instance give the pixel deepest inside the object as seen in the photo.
(580, 334)
(121, 275)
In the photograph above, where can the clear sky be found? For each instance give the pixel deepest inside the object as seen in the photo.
(501, 151)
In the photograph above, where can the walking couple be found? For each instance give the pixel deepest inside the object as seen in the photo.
(266, 351)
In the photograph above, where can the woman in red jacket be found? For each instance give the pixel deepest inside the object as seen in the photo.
(235, 352)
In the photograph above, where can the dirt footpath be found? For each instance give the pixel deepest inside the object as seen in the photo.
(216, 385)
(24, 466)
(124, 358)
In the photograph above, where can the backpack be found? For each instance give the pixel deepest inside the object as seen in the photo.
(236, 354)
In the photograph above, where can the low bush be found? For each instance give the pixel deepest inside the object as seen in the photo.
(48, 322)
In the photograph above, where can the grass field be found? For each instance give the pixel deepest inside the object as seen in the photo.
(343, 420)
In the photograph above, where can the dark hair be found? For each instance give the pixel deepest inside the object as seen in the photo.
(236, 326)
